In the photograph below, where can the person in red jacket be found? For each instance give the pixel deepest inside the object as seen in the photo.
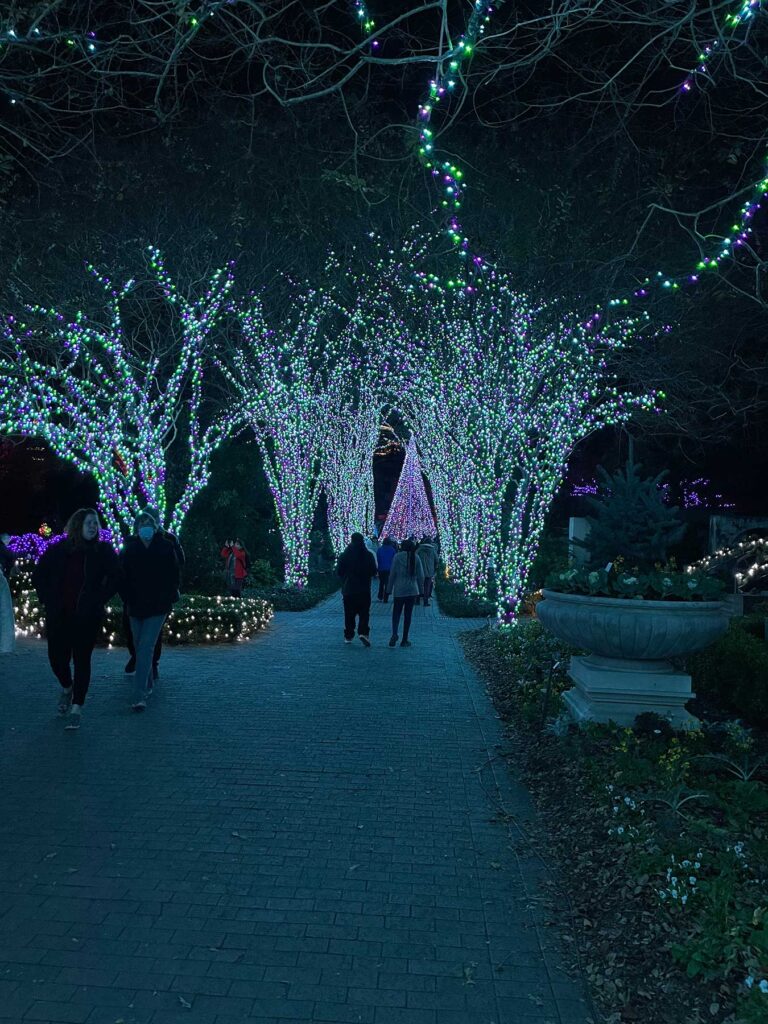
(237, 562)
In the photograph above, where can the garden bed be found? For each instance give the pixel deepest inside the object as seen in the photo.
(455, 602)
(659, 844)
(297, 599)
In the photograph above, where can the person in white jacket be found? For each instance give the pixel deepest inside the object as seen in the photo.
(405, 584)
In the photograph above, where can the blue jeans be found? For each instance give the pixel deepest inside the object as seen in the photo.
(145, 633)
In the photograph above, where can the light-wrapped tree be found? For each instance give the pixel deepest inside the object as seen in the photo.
(281, 371)
(124, 404)
(410, 514)
(352, 425)
(507, 388)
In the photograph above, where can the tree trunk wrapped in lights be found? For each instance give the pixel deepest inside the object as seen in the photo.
(281, 374)
(114, 403)
(353, 422)
(410, 514)
(505, 389)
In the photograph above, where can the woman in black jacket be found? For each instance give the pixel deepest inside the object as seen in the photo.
(150, 589)
(74, 579)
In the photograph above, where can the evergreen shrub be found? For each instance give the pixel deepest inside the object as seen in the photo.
(735, 670)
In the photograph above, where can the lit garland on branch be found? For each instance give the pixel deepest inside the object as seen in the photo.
(747, 10)
(450, 177)
(281, 375)
(104, 407)
(410, 514)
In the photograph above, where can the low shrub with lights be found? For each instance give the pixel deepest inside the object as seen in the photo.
(195, 619)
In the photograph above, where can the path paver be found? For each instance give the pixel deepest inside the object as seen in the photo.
(296, 830)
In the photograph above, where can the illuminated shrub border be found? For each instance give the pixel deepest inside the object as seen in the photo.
(195, 619)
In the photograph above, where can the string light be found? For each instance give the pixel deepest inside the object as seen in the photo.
(410, 514)
(733, 21)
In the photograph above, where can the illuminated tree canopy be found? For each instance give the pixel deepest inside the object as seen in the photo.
(115, 400)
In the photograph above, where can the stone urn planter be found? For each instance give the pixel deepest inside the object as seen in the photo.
(627, 669)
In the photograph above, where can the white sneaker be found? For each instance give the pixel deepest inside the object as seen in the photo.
(140, 705)
(65, 703)
(73, 718)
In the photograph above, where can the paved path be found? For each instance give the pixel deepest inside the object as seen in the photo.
(296, 830)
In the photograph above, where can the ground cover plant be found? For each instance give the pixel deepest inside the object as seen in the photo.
(658, 842)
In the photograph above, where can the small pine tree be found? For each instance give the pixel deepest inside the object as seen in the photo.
(631, 521)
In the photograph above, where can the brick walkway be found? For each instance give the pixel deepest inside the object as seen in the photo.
(296, 830)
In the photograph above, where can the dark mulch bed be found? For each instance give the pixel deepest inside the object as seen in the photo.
(612, 929)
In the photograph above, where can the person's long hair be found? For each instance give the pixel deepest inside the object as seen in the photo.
(410, 548)
(74, 527)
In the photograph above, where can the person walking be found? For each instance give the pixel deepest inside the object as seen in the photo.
(7, 623)
(386, 554)
(150, 588)
(130, 667)
(427, 555)
(405, 584)
(237, 564)
(356, 567)
(74, 579)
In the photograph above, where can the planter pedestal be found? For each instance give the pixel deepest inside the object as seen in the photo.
(630, 643)
(619, 689)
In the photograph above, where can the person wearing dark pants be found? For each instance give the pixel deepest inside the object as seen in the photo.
(74, 580)
(357, 567)
(427, 555)
(130, 667)
(384, 557)
(150, 588)
(357, 614)
(406, 583)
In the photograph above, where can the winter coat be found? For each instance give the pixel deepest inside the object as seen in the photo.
(428, 557)
(236, 562)
(100, 577)
(356, 567)
(400, 584)
(385, 557)
(6, 560)
(151, 577)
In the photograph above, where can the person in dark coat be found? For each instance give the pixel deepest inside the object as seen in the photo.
(74, 579)
(130, 667)
(7, 558)
(357, 567)
(150, 588)
(384, 558)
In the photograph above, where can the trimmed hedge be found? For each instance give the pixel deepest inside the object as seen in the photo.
(195, 619)
(735, 670)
